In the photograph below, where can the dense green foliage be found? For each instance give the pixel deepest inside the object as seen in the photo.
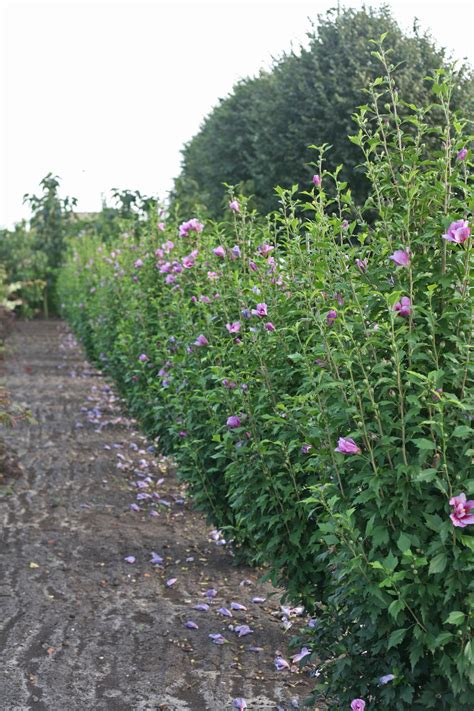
(259, 135)
(309, 372)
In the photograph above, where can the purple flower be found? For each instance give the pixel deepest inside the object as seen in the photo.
(239, 704)
(233, 327)
(269, 326)
(212, 592)
(246, 313)
(229, 384)
(346, 445)
(281, 663)
(339, 298)
(265, 249)
(143, 358)
(212, 275)
(401, 257)
(386, 679)
(217, 638)
(130, 559)
(182, 434)
(260, 310)
(224, 611)
(357, 705)
(462, 154)
(234, 205)
(331, 316)
(403, 307)
(361, 264)
(461, 516)
(237, 606)
(306, 448)
(301, 655)
(201, 341)
(219, 251)
(233, 421)
(317, 181)
(192, 225)
(155, 558)
(171, 582)
(458, 232)
(188, 262)
(191, 625)
(345, 224)
(138, 264)
(253, 266)
(170, 279)
(134, 507)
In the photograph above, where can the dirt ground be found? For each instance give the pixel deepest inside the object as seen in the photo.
(80, 627)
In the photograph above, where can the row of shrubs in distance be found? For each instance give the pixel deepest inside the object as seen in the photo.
(309, 373)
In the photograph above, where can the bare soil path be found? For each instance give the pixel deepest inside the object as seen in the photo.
(82, 629)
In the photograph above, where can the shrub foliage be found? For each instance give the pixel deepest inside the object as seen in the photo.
(309, 371)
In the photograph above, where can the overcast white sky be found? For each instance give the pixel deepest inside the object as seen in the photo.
(104, 94)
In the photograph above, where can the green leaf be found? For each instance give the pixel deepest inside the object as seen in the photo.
(456, 617)
(423, 443)
(396, 637)
(404, 542)
(438, 563)
(462, 431)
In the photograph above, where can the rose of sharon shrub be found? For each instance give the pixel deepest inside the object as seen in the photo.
(328, 435)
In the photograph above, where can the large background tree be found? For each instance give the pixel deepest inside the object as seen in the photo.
(259, 136)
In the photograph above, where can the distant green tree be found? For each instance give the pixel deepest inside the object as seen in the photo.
(259, 135)
(51, 215)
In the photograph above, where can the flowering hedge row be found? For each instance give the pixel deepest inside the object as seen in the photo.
(309, 372)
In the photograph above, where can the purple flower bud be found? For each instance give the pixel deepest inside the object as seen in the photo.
(357, 705)
(233, 421)
(138, 264)
(317, 181)
(462, 154)
(403, 307)
(143, 358)
(191, 625)
(219, 251)
(201, 340)
(387, 678)
(130, 559)
(269, 326)
(346, 445)
(234, 205)
(331, 316)
(361, 264)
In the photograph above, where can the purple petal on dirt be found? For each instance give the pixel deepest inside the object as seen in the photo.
(254, 649)
(237, 606)
(142, 496)
(224, 611)
(201, 606)
(130, 559)
(217, 638)
(243, 630)
(171, 582)
(281, 663)
(191, 625)
(134, 507)
(155, 558)
(189, 559)
(210, 593)
(245, 581)
(154, 513)
(301, 655)
(258, 599)
(312, 623)
(239, 704)
(164, 502)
